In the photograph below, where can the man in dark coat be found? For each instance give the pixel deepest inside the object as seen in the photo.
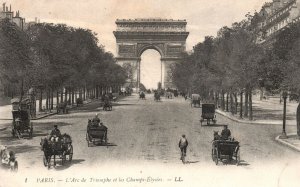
(225, 134)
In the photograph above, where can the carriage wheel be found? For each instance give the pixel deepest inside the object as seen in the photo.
(87, 139)
(215, 155)
(238, 157)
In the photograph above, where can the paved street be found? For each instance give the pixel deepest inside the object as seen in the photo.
(147, 132)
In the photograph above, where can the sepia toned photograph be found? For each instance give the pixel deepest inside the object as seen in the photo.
(135, 93)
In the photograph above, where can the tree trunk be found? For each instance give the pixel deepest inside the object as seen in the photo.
(80, 93)
(261, 94)
(57, 98)
(298, 120)
(84, 94)
(241, 105)
(227, 102)
(66, 95)
(70, 96)
(246, 103)
(235, 103)
(47, 99)
(73, 96)
(223, 101)
(51, 106)
(62, 95)
(41, 100)
(231, 104)
(250, 105)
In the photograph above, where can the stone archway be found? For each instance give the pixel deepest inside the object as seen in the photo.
(133, 37)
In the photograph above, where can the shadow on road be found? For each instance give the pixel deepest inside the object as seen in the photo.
(191, 162)
(67, 165)
(216, 125)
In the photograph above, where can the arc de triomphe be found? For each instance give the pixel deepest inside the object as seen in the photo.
(134, 36)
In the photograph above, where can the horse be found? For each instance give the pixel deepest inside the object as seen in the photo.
(55, 148)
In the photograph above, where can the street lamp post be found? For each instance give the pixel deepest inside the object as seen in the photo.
(283, 135)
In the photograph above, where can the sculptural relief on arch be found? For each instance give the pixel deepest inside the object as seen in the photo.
(134, 36)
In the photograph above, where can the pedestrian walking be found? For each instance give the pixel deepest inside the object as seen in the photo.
(183, 144)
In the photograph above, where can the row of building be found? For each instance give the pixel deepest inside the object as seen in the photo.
(14, 17)
(276, 16)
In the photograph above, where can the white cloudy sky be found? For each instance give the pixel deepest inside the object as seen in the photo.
(204, 17)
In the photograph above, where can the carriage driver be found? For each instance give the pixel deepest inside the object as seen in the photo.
(55, 134)
(225, 134)
(96, 120)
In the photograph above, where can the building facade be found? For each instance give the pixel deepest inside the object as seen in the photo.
(276, 16)
(13, 17)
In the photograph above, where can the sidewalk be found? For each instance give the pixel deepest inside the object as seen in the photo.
(270, 112)
(292, 141)
(5, 114)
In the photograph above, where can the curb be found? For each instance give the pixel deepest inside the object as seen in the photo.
(287, 143)
(47, 115)
(245, 122)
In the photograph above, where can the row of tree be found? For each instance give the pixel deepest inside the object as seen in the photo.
(56, 59)
(228, 68)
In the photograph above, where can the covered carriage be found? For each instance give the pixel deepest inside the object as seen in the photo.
(195, 100)
(208, 113)
(21, 124)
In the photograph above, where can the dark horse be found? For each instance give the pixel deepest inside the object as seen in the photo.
(60, 149)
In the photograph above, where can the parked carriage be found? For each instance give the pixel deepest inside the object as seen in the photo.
(195, 100)
(107, 105)
(208, 114)
(21, 124)
(225, 151)
(96, 134)
(61, 150)
(62, 107)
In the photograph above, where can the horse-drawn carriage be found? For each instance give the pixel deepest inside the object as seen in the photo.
(21, 118)
(62, 107)
(195, 100)
(8, 160)
(107, 105)
(225, 151)
(142, 95)
(208, 113)
(156, 96)
(53, 150)
(96, 133)
(169, 95)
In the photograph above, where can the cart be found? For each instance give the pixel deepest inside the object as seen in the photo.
(195, 100)
(225, 151)
(208, 114)
(96, 134)
(21, 124)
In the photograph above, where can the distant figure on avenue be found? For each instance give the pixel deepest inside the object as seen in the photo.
(183, 143)
(55, 134)
(225, 134)
(96, 120)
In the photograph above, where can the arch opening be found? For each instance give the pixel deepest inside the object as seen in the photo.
(151, 68)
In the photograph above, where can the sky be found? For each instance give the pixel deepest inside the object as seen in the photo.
(203, 17)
